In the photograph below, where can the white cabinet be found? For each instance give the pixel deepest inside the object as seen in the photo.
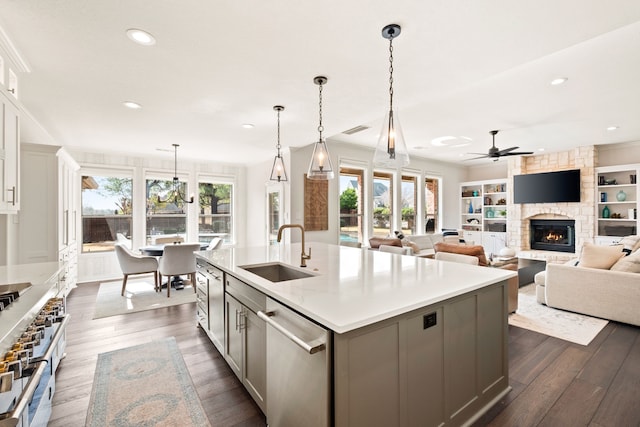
(483, 213)
(47, 229)
(616, 202)
(246, 337)
(9, 156)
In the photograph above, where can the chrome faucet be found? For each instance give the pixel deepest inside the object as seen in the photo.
(303, 257)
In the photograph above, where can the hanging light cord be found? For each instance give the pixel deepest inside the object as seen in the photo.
(320, 127)
(278, 146)
(391, 74)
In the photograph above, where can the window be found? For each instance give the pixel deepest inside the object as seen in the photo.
(431, 204)
(408, 204)
(215, 219)
(106, 211)
(351, 204)
(166, 213)
(382, 203)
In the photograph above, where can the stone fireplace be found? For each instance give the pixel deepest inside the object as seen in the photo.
(582, 213)
(552, 235)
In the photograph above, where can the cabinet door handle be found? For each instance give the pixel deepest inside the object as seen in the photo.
(13, 195)
(237, 323)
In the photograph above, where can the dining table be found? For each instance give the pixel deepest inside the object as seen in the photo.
(157, 250)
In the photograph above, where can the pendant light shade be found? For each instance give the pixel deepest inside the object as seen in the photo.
(391, 150)
(278, 172)
(320, 166)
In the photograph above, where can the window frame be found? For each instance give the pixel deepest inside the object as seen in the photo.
(214, 179)
(360, 215)
(108, 173)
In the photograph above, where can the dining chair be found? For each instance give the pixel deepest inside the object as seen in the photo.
(131, 263)
(215, 243)
(178, 260)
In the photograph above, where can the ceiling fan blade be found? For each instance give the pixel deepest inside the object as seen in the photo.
(484, 156)
(506, 150)
(517, 153)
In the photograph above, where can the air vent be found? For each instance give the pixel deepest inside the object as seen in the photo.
(355, 130)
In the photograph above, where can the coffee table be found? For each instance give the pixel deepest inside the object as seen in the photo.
(527, 268)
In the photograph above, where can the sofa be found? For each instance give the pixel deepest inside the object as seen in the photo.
(603, 283)
(418, 244)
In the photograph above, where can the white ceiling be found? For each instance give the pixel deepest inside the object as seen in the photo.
(461, 68)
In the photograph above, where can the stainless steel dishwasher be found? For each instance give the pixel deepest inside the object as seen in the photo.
(298, 369)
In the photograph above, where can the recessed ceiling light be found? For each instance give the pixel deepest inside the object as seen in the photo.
(559, 81)
(132, 105)
(247, 125)
(141, 37)
(612, 128)
(540, 149)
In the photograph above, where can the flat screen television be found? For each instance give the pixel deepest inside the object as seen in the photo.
(548, 187)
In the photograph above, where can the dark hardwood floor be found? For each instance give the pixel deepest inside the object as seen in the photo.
(555, 383)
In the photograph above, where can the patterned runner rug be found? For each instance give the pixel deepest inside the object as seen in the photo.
(144, 385)
(566, 325)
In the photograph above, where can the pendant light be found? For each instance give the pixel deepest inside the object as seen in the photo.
(320, 166)
(278, 172)
(391, 150)
(176, 196)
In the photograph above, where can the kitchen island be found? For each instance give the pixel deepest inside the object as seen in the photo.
(409, 341)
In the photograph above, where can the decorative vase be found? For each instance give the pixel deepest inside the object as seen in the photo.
(470, 207)
(605, 212)
(621, 196)
(507, 252)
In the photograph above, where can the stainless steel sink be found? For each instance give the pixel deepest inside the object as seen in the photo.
(21, 288)
(276, 272)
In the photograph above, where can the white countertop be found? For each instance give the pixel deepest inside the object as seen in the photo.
(15, 318)
(355, 287)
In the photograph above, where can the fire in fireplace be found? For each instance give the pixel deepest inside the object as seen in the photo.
(552, 235)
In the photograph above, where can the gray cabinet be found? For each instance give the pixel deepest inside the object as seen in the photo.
(210, 302)
(245, 338)
(438, 365)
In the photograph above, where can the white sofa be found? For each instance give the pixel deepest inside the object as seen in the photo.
(606, 293)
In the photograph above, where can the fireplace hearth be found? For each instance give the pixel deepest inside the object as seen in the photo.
(552, 235)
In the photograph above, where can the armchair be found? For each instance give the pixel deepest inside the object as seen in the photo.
(131, 263)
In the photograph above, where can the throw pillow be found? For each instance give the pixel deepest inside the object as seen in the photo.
(629, 264)
(629, 243)
(375, 242)
(476, 250)
(598, 256)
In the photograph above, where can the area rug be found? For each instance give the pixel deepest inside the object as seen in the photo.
(139, 296)
(573, 327)
(144, 385)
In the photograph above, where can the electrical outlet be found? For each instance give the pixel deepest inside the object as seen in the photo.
(429, 320)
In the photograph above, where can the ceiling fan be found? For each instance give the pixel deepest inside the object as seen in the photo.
(495, 153)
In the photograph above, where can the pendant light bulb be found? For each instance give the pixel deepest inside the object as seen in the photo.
(320, 166)
(278, 172)
(391, 150)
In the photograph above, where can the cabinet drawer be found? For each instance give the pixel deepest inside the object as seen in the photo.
(247, 295)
